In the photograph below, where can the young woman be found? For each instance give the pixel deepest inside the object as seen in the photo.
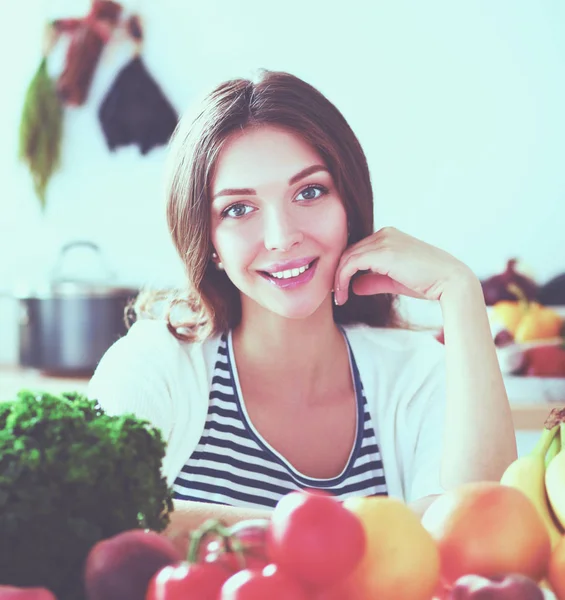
(292, 369)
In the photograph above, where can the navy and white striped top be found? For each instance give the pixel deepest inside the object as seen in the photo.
(234, 465)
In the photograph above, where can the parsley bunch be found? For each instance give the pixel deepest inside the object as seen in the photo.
(71, 475)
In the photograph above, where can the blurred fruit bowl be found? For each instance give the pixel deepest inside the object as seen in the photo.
(527, 321)
(535, 390)
(542, 357)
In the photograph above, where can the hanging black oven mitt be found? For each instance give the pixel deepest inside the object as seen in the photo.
(135, 110)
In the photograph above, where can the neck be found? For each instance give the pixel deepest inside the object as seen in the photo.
(302, 349)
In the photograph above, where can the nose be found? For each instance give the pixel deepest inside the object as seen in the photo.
(281, 231)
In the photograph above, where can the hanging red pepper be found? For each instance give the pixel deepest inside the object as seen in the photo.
(89, 35)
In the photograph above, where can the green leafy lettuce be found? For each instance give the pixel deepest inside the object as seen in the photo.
(71, 475)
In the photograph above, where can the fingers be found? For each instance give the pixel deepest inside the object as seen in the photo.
(373, 283)
(369, 254)
(362, 261)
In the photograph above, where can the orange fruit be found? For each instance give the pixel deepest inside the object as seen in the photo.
(489, 529)
(556, 570)
(401, 560)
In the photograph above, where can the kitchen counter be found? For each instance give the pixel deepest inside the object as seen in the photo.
(531, 417)
(13, 379)
(531, 400)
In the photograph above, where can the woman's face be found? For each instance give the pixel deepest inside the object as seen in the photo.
(278, 224)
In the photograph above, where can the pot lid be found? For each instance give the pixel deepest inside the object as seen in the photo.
(83, 284)
(73, 289)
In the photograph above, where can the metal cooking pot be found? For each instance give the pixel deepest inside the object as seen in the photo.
(66, 326)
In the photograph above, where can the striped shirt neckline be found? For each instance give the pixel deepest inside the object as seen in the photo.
(268, 448)
(233, 464)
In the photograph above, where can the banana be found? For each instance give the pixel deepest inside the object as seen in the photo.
(527, 474)
(555, 481)
(554, 449)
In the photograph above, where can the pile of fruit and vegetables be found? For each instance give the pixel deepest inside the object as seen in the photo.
(527, 322)
(530, 317)
(84, 508)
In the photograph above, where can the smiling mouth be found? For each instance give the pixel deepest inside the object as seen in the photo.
(289, 273)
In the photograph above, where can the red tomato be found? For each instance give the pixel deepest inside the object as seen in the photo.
(185, 580)
(329, 593)
(246, 546)
(269, 584)
(314, 538)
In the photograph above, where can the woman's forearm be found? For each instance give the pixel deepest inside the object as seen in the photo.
(480, 440)
(188, 516)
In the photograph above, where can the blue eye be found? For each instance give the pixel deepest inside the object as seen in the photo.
(312, 192)
(236, 211)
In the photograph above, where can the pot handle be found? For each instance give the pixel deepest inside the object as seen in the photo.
(56, 272)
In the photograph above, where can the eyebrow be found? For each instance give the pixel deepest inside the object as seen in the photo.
(251, 192)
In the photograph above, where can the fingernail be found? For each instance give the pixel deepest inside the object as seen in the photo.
(335, 300)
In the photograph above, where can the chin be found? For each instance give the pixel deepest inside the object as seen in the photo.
(295, 305)
(295, 314)
(295, 310)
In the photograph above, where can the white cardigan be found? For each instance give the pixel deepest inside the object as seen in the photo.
(152, 374)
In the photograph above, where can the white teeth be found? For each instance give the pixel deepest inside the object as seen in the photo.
(290, 272)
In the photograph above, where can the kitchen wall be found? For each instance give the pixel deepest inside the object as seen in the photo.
(460, 108)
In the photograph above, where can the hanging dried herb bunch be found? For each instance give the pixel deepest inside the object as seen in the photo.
(41, 124)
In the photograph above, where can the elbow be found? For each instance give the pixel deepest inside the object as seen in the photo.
(484, 465)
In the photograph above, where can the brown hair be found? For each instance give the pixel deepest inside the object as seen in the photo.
(277, 99)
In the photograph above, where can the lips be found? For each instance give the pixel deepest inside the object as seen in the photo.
(287, 265)
(289, 269)
(291, 278)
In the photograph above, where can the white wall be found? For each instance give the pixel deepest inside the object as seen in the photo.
(460, 107)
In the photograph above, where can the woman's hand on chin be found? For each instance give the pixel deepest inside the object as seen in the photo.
(393, 262)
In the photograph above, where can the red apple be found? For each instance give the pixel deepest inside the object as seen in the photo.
(120, 568)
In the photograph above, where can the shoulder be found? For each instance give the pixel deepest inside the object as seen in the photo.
(395, 344)
(151, 341)
(149, 365)
(399, 368)
(154, 375)
(148, 334)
